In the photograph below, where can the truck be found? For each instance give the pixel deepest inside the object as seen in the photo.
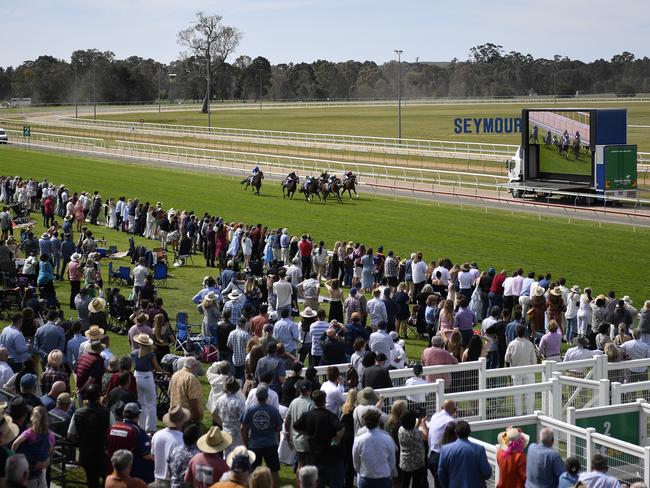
(581, 151)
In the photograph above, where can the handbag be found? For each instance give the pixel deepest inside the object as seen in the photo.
(286, 453)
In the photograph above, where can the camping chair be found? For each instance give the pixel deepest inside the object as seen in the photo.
(124, 275)
(186, 341)
(113, 276)
(161, 254)
(184, 252)
(112, 250)
(160, 274)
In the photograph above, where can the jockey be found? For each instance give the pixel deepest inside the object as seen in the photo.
(330, 181)
(348, 174)
(256, 170)
(291, 176)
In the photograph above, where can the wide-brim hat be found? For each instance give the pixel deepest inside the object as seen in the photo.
(45, 236)
(75, 256)
(628, 300)
(308, 313)
(539, 291)
(95, 332)
(575, 289)
(96, 346)
(8, 430)
(557, 291)
(240, 451)
(214, 441)
(68, 218)
(176, 417)
(601, 297)
(512, 434)
(367, 396)
(210, 297)
(143, 339)
(234, 295)
(141, 318)
(97, 305)
(464, 267)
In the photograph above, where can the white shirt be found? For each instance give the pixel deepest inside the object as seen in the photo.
(380, 342)
(517, 283)
(162, 443)
(437, 426)
(398, 357)
(577, 353)
(283, 292)
(572, 304)
(272, 400)
(507, 287)
(294, 274)
(335, 397)
(413, 381)
(140, 272)
(521, 352)
(246, 246)
(487, 323)
(418, 271)
(465, 280)
(444, 275)
(5, 373)
(377, 311)
(596, 479)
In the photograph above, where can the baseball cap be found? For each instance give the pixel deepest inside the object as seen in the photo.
(28, 381)
(303, 386)
(132, 408)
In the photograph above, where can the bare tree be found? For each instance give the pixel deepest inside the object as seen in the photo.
(211, 41)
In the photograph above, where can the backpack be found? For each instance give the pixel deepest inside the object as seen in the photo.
(351, 377)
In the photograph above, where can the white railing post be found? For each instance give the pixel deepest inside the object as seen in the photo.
(555, 399)
(570, 419)
(646, 465)
(603, 393)
(549, 369)
(590, 449)
(616, 393)
(482, 385)
(601, 371)
(440, 393)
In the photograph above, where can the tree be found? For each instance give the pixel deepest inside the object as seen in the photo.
(212, 42)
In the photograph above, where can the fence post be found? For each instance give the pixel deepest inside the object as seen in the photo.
(589, 447)
(570, 419)
(616, 393)
(603, 393)
(482, 385)
(549, 369)
(601, 370)
(555, 399)
(440, 393)
(646, 465)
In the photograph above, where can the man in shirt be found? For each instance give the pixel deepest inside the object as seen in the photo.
(235, 304)
(352, 306)
(128, 435)
(28, 390)
(380, 341)
(237, 341)
(294, 273)
(317, 329)
(185, 389)
(544, 465)
(373, 453)
(437, 426)
(49, 337)
(72, 347)
(525, 292)
(636, 349)
(286, 331)
(14, 341)
(323, 431)
(122, 462)
(90, 368)
(309, 290)
(139, 273)
(436, 355)
(508, 291)
(260, 424)
(376, 310)
(49, 400)
(463, 463)
(5, 370)
(377, 376)
(163, 441)
(271, 363)
(391, 268)
(418, 274)
(495, 297)
(521, 352)
(488, 322)
(464, 320)
(208, 466)
(333, 390)
(598, 477)
(283, 292)
(299, 406)
(305, 247)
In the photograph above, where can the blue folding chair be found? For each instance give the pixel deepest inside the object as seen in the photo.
(186, 341)
(113, 276)
(125, 275)
(160, 274)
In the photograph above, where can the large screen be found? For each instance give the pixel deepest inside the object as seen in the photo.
(563, 137)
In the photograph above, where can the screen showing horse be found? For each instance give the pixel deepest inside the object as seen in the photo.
(563, 137)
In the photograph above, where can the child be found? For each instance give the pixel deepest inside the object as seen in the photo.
(37, 444)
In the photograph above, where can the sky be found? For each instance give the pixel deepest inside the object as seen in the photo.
(306, 30)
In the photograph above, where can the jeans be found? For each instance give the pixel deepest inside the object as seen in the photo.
(492, 360)
(571, 328)
(495, 299)
(373, 483)
(147, 398)
(331, 475)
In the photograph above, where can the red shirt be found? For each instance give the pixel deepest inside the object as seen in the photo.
(497, 284)
(205, 470)
(89, 365)
(48, 206)
(305, 248)
(257, 324)
(435, 356)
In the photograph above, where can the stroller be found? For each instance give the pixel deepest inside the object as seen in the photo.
(162, 394)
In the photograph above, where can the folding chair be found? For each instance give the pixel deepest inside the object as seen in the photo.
(160, 274)
(184, 252)
(113, 276)
(186, 341)
(125, 275)
(112, 250)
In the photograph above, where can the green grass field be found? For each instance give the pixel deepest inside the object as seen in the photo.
(577, 250)
(551, 161)
(419, 122)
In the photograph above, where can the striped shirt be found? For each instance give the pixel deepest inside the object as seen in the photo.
(317, 329)
(390, 267)
(237, 341)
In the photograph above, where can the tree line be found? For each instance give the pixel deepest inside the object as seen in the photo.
(489, 71)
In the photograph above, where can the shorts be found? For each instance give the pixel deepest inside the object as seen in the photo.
(270, 456)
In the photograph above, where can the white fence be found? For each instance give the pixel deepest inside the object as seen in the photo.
(59, 139)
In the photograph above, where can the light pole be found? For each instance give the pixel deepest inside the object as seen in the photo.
(74, 90)
(259, 72)
(94, 94)
(158, 90)
(399, 93)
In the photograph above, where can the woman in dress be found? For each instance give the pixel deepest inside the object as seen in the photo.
(412, 436)
(162, 336)
(145, 363)
(511, 458)
(210, 311)
(319, 259)
(402, 311)
(584, 313)
(112, 214)
(336, 300)
(336, 261)
(366, 271)
(79, 215)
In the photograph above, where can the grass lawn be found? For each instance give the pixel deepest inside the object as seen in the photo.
(419, 122)
(551, 161)
(580, 251)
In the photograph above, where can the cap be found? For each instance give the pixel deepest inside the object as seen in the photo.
(132, 408)
(393, 335)
(303, 386)
(28, 381)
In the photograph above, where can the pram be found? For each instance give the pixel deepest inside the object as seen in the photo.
(162, 394)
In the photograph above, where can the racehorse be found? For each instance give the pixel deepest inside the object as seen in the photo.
(576, 148)
(349, 185)
(254, 181)
(290, 183)
(334, 187)
(309, 188)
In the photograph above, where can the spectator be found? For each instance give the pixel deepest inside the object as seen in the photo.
(163, 441)
(462, 463)
(180, 456)
(333, 389)
(549, 345)
(272, 364)
(511, 458)
(333, 345)
(207, 466)
(17, 471)
(621, 315)
(122, 462)
(49, 337)
(217, 374)
(544, 465)
(521, 352)
(376, 310)
(286, 330)
(8, 432)
(373, 454)
(54, 372)
(324, 432)
(412, 438)
(570, 477)
(598, 477)
(185, 389)
(398, 355)
(29, 390)
(299, 406)
(377, 376)
(259, 425)
(49, 400)
(273, 400)
(237, 341)
(228, 411)
(317, 329)
(436, 355)
(5, 370)
(90, 368)
(636, 349)
(261, 477)
(308, 477)
(37, 444)
(622, 337)
(239, 461)
(439, 422)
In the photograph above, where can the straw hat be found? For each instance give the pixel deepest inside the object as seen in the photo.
(45, 236)
(464, 267)
(557, 291)
(575, 289)
(94, 333)
(367, 396)
(143, 339)
(8, 430)
(628, 300)
(97, 305)
(234, 295)
(68, 218)
(308, 313)
(214, 441)
(210, 297)
(512, 434)
(240, 451)
(176, 417)
(75, 257)
(539, 291)
(141, 318)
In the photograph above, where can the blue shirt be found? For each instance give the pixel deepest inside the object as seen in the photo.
(286, 331)
(262, 422)
(48, 402)
(373, 455)
(49, 337)
(511, 331)
(464, 319)
(568, 480)
(198, 298)
(72, 350)
(463, 465)
(284, 241)
(68, 249)
(525, 287)
(544, 467)
(271, 363)
(45, 272)
(14, 341)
